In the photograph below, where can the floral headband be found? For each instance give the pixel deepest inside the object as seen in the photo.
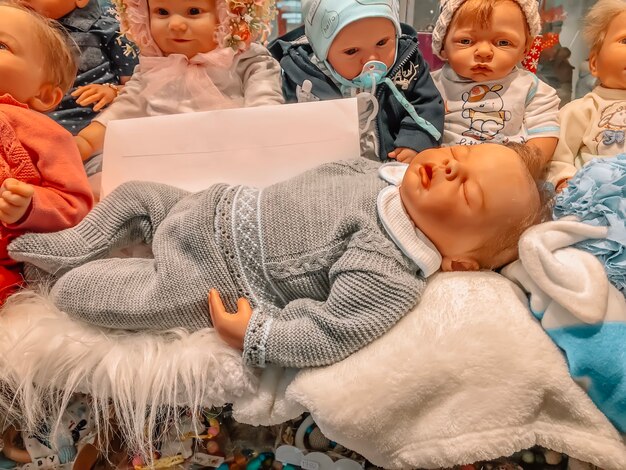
(245, 21)
(241, 22)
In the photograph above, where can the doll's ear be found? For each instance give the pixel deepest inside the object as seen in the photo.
(81, 3)
(459, 264)
(529, 44)
(48, 98)
(593, 63)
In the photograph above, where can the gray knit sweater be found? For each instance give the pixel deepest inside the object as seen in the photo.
(311, 255)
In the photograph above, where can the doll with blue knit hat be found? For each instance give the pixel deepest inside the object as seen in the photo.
(488, 96)
(359, 48)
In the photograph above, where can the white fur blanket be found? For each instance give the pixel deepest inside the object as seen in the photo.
(467, 375)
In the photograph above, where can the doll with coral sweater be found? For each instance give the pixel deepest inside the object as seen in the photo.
(43, 184)
(196, 55)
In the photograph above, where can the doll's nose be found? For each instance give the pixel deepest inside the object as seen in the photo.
(451, 169)
(483, 50)
(178, 24)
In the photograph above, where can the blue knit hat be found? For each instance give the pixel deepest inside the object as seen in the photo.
(323, 19)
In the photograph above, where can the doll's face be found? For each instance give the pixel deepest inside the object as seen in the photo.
(183, 26)
(362, 41)
(462, 196)
(483, 54)
(22, 73)
(608, 64)
(55, 9)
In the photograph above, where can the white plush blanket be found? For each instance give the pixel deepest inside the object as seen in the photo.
(467, 375)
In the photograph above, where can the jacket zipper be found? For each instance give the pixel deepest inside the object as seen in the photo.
(379, 91)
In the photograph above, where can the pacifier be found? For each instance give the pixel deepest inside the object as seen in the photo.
(372, 74)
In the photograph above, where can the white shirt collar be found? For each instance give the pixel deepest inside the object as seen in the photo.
(411, 240)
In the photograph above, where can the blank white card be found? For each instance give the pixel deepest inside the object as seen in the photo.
(251, 146)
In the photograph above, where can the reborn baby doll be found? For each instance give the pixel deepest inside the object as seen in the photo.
(43, 184)
(106, 59)
(329, 260)
(194, 56)
(488, 98)
(594, 126)
(361, 48)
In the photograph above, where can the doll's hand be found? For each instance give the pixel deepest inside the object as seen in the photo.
(562, 185)
(402, 154)
(102, 95)
(230, 326)
(15, 199)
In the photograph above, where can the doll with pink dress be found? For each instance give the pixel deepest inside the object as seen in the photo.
(195, 55)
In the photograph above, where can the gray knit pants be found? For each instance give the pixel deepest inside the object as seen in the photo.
(135, 293)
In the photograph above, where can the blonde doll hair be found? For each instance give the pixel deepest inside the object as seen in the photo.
(598, 19)
(59, 58)
(503, 248)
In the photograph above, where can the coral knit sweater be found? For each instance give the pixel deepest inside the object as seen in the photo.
(38, 151)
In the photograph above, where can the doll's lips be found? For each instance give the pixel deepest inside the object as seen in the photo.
(426, 174)
(481, 68)
(181, 40)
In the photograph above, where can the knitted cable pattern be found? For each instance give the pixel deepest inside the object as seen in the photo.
(349, 286)
(15, 162)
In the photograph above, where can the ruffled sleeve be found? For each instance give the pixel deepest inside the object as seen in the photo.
(597, 196)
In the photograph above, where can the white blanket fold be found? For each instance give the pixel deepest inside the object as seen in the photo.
(469, 374)
(583, 313)
(577, 282)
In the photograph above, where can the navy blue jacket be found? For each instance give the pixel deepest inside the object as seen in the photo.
(410, 73)
(102, 59)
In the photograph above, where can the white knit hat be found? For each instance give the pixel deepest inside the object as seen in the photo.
(448, 7)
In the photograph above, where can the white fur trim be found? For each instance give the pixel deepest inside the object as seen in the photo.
(45, 357)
